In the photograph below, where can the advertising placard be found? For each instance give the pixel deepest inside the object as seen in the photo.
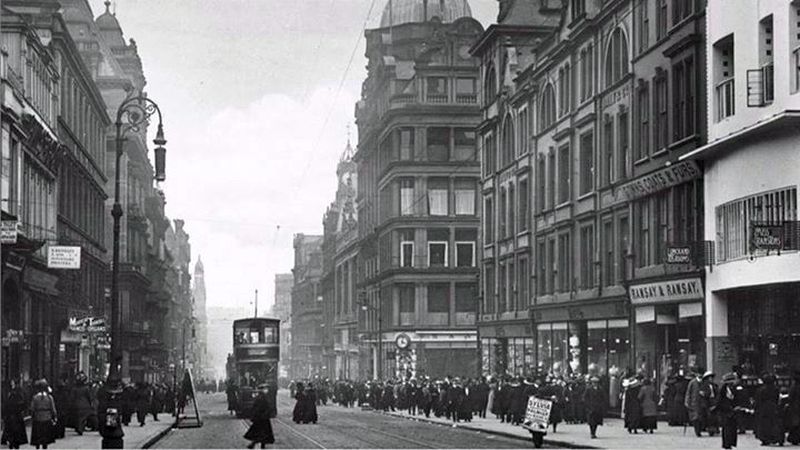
(9, 229)
(537, 414)
(679, 255)
(63, 257)
(766, 237)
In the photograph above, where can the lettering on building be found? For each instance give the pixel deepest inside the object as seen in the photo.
(659, 180)
(667, 291)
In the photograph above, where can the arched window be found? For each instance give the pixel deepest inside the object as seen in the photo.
(547, 107)
(490, 85)
(616, 57)
(508, 141)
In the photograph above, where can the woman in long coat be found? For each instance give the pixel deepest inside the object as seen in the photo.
(81, 403)
(232, 397)
(14, 433)
(260, 431)
(630, 404)
(300, 396)
(43, 412)
(769, 426)
(649, 406)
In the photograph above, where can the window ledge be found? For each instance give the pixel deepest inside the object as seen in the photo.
(641, 161)
(586, 195)
(683, 141)
(660, 152)
(563, 205)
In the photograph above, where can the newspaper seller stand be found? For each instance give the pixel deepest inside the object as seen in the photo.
(537, 417)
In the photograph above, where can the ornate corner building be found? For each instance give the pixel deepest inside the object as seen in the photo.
(418, 175)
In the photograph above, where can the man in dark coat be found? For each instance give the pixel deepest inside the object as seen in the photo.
(594, 401)
(260, 431)
(769, 424)
(128, 403)
(62, 394)
(708, 393)
(310, 406)
(82, 403)
(109, 404)
(691, 402)
(231, 394)
(500, 403)
(482, 397)
(143, 397)
(518, 402)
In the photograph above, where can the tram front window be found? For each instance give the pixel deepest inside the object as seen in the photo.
(249, 335)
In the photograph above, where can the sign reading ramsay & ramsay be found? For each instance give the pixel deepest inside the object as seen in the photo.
(667, 291)
(63, 257)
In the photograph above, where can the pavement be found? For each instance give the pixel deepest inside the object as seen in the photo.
(612, 434)
(135, 436)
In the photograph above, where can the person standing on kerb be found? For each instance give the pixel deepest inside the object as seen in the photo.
(109, 410)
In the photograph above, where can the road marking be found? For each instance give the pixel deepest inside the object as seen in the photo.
(290, 428)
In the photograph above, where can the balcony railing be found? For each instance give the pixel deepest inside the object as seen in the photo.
(725, 99)
(437, 98)
(466, 99)
(761, 85)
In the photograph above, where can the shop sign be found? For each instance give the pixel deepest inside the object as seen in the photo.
(679, 255)
(659, 180)
(766, 237)
(63, 257)
(667, 291)
(9, 230)
(537, 414)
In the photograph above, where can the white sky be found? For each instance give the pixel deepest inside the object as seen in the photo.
(246, 87)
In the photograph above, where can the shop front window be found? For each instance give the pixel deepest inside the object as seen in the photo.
(544, 339)
(560, 350)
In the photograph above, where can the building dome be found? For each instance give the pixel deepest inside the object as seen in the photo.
(107, 21)
(399, 12)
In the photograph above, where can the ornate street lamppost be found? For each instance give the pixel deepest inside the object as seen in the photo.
(132, 115)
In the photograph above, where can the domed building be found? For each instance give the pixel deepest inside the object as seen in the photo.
(417, 193)
(399, 12)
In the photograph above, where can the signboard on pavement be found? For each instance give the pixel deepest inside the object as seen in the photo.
(63, 257)
(9, 230)
(537, 415)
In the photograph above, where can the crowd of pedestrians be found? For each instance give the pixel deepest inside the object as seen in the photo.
(693, 400)
(73, 403)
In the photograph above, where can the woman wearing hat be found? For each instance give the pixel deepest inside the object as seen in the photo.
(769, 426)
(726, 410)
(43, 412)
(14, 433)
(649, 406)
(260, 431)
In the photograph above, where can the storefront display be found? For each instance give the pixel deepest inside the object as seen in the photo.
(510, 356)
(669, 328)
(764, 327)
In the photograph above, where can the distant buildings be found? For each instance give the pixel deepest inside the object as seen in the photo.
(282, 309)
(202, 368)
(305, 358)
(220, 337)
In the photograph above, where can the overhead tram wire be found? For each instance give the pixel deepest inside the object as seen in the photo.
(338, 91)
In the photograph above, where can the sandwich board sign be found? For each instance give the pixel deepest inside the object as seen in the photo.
(63, 257)
(537, 414)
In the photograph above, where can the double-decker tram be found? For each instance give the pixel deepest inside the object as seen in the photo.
(256, 351)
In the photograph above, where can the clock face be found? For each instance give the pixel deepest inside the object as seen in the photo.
(402, 341)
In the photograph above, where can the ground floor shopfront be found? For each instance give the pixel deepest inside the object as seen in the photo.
(423, 353)
(763, 329)
(507, 348)
(669, 331)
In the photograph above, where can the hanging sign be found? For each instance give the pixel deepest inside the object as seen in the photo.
(679, 255)
(63, 257)
(9, 230)
(766, 237)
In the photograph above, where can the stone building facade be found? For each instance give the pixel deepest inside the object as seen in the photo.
(417, 202)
